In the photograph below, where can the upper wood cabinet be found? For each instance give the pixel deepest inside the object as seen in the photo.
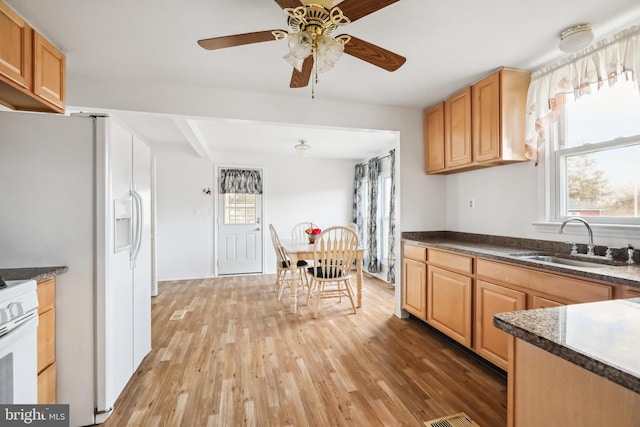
(48, 71)
(15, 48)
(457, 129)
(499, 108)
(434, 138)
(32, 70)
(482, 125)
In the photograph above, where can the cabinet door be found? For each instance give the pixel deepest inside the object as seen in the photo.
(49, 71)
(449, 303)
(457, 129)
(434, 138)
(485, 105)
(490, 342)
(15, 47)
(415, 288)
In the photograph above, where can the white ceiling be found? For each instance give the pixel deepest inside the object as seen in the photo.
(448, 44)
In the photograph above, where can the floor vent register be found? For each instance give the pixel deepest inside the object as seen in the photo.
(178, 315)
(457, 420)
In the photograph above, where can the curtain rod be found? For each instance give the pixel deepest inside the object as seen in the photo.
(379, 158)
(602, 44)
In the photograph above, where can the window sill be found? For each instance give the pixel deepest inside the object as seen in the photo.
(630, 232)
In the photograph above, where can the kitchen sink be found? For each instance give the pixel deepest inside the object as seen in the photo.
(560, 260)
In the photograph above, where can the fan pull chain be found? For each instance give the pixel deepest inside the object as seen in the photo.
(314, 80)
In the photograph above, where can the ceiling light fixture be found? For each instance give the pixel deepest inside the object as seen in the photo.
(310, 34)
(576, 38)
(302, 148)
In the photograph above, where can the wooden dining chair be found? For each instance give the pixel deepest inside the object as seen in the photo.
(297, 233)
(283, 264)
(334, 252)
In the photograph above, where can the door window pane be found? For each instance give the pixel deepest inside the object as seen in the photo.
(239, 208)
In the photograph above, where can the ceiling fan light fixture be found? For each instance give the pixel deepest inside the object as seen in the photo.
(302, 148)
(294, 61)
(328, 52)
(576, 38)
(301, 44)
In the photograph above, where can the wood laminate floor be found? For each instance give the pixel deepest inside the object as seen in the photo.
(239, 358)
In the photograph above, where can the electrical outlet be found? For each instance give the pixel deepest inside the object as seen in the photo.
(472, 203)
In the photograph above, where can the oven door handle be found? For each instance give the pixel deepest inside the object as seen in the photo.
(6, 333)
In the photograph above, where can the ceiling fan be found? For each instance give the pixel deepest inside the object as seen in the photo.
(311, 42)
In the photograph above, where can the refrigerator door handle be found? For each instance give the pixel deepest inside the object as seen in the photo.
(137, 224)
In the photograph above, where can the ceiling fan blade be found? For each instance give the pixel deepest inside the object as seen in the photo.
(374, 54)
(237, 40)
(356, 9)
(288, 3)
(301, 78)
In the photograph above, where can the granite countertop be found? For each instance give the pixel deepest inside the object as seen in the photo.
(32, 273)
(601, 337)
(507, 249)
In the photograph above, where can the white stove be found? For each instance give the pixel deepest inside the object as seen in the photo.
(18, 342)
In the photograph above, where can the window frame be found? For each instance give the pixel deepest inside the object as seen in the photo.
(552, 176)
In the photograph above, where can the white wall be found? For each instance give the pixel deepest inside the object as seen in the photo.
(509, 200)
(184, 220)
(506, 200)
(295, 190)
(422, 197)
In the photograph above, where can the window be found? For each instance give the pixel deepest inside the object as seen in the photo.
(595, 157)
(239, 208)
(384, 204)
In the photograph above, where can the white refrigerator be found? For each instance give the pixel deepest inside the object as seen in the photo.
(77, 192)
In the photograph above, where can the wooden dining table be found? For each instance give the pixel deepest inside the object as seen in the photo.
(302, 249)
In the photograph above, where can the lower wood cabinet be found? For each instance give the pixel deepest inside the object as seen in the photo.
(491, 342)
(47, 385)
(415, 288)
(459, 295)
(546, 390)
(449, 303)
(630, 293)
(46, 342)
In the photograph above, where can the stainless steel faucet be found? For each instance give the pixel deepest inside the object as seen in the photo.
(590, 246)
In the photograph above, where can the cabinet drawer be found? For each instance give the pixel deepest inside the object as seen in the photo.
(451, 261)
(416, 253)
(46, 339)
(566, 288)
(46, 295)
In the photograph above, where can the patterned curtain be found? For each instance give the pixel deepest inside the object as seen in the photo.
(358, 214)
(608, 62)
(241, 181)
(391, 256)
(373, 265)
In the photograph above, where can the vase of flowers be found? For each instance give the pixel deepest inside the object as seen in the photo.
(312, 233)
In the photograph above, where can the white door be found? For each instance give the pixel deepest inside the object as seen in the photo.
(239, 233)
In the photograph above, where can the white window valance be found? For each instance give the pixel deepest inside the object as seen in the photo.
(617, 58)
